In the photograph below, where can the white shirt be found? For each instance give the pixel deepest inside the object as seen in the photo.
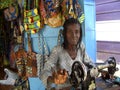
(60, 59)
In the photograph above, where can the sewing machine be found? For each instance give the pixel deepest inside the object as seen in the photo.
(85, 81)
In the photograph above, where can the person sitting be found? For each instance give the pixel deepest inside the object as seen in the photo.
(59, 65)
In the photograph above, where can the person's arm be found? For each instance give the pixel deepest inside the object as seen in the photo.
(50, 65)
(88, 62)
(86, 59)
(51, 74)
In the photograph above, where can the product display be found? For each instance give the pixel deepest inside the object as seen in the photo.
(42, 56)
(29, 30)
(32, 22)
(11, 13)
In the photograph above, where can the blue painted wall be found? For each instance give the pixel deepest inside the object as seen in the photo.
(89, 27)
(51, 34)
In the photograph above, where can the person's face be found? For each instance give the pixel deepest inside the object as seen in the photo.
(73, 34)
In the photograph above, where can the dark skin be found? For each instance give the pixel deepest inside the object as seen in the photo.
(72, 36)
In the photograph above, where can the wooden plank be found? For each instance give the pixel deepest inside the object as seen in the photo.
(98, 2)
(108, 7)
(104, 56)
(108, 16)
(107, 46)
(107, 49)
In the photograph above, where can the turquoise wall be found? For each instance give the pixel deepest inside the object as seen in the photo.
(51, 34)
(89, 28)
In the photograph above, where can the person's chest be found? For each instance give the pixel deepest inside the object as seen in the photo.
(65, 61)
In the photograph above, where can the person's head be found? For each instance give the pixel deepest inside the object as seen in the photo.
(72, 32)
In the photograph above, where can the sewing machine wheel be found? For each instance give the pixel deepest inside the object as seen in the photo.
(111, 60)
(78, 74)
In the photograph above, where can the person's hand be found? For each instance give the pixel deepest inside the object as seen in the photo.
(60, 76)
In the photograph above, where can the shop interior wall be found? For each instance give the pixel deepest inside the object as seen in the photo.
(90, 28)
(51, 34)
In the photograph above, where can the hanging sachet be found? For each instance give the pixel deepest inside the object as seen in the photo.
(20, 58)
(31, 63)
(72, 9)
(32, 20)
(50, 11)
(43, 54)
(55, 21)
(26, 61)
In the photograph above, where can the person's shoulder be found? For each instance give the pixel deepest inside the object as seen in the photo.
(58, 47)
(82, 45)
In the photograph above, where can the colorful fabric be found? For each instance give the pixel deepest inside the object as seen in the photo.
(55, 12)
(50, 12)
(32, 22)
(71, 8)
(26, 63)
(11, 13)
(34, 25)
(32, 19)
(6, 3)
(55, 21)
(30, 13)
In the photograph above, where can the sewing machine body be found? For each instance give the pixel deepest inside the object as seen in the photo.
(90, 82)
